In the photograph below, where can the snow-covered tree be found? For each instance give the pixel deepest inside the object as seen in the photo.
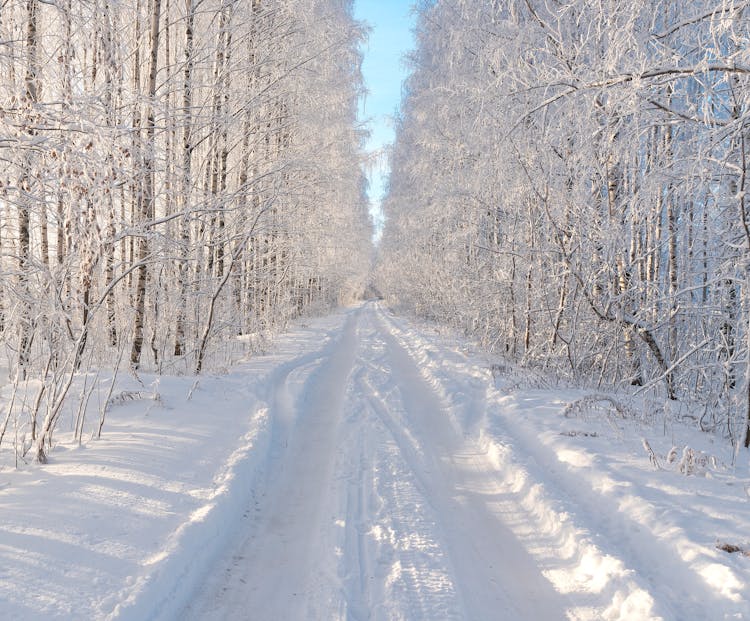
(176, 173)
(569, 185)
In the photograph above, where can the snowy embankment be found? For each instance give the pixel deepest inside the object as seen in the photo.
(372, 469)
(624, 511)
(124, 527)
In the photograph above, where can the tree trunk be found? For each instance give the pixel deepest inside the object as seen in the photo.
(31, 99)
(187, 179)
(149, 198)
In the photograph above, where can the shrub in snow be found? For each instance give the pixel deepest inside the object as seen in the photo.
(651, 455)
(732, 548)
(574, 433)
(688, 462)
(519, 378)
(593, 405)
(691, 462)
(133, 395)
(695, 462)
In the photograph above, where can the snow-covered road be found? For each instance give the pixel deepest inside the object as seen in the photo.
(374, 505)
(369, 468)
(389, 494)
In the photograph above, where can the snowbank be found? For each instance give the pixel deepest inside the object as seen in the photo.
(611, 509)
(125, 527)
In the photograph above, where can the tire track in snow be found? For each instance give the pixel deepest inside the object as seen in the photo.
(274, 573)
(375, 506)
(356, 571)
(393, 561)
(496, 576)
(590, 567)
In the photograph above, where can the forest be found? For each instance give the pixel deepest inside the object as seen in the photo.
(569, 186)
(176, 174)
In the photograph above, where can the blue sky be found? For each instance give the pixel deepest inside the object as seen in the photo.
(391, 22)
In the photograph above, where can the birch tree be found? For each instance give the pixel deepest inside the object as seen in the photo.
(173, 174)
(569, 186)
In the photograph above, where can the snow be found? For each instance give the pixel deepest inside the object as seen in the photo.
(371, 468)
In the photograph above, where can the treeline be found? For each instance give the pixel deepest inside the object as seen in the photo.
(174, 173)
(570, 185)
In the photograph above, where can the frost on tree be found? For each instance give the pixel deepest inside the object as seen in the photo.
(569, 185)
(176, 173)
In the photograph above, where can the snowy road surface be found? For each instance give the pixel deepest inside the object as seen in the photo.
(381, 499)
(366, 468)
(374, 505)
